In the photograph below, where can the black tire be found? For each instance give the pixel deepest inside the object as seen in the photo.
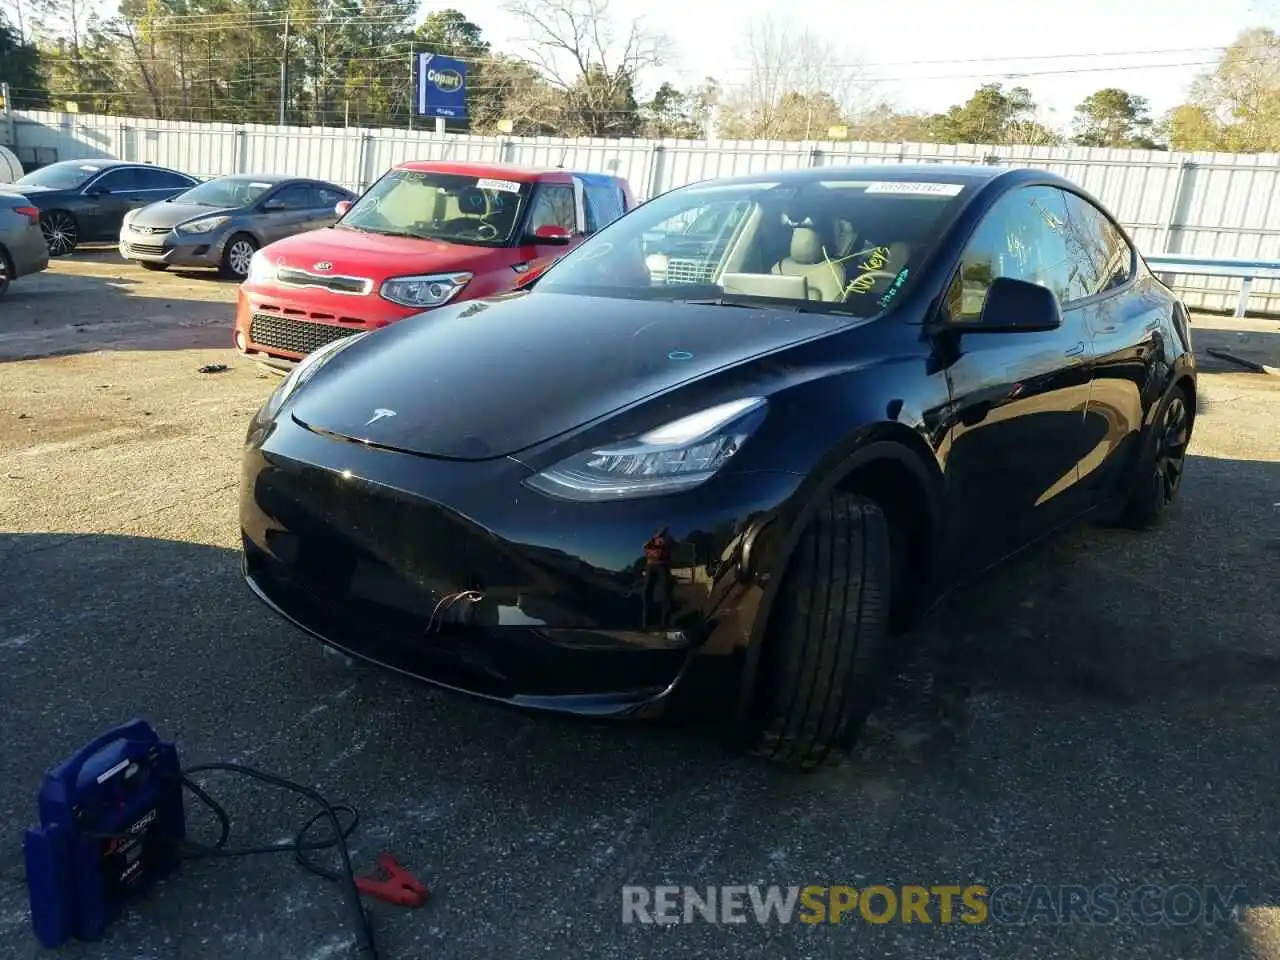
(233, 264)
(828, 637)
(6, 272)
(1157, 478)
(149, 265)
(61, 232)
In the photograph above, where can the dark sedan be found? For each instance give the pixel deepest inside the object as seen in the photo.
(221, 222)
(86, 200)
(742, 468)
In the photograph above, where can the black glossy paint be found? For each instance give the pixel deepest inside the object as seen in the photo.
(357, 530)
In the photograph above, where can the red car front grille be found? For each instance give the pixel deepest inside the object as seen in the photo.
(274, 331)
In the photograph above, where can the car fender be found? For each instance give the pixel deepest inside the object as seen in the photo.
(765, 564)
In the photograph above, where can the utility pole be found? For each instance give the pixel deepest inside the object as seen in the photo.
(413, 89)
(284, 70)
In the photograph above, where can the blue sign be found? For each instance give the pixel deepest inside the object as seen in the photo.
(441, 85)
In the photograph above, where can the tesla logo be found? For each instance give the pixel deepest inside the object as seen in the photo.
(322, 266)
(379, 414)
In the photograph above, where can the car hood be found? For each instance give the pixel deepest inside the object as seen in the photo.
(164, 214)
(379, 257)
(490, 378)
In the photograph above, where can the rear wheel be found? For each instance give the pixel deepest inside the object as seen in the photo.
(6, 272)
(61, 232)
(828, 637)
(237, 254)
(1158, 479)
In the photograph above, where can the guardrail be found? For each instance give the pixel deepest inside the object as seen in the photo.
(1245, 269)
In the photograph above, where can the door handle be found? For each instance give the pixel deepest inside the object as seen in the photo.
(1074, 351)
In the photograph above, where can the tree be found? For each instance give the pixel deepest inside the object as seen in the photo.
(573, 45)
(798, 84)
(992, 115)
(20, 67)
(1114, 118)
(1239, 101)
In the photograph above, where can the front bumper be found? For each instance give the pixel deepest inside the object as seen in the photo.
(170, 248)
(362, 548)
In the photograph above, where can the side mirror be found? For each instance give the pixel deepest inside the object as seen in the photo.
(1018, 305)
(551, 233)
(341, 207)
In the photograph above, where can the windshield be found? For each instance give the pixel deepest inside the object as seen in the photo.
(836, 245)
(225, 192)
(60, 176)
(478, 211)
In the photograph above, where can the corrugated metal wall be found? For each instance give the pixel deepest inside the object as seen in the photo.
(1209, 204)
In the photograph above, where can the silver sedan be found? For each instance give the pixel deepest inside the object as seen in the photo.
(221, 222)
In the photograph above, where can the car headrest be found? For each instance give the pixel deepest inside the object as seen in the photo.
(806, 245)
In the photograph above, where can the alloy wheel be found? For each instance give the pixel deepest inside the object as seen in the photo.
(4, 276)
(238, 257)
(60, 233)
(1172, 452)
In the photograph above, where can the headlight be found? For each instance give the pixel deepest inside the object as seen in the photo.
(426, 291)
(260, 269)
(128, 217)
(203, 226)
(304, 371)
(678, 456)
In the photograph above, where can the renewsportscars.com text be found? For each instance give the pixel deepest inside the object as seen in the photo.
(1149, 904)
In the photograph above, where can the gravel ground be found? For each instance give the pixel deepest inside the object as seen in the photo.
(1103, 711)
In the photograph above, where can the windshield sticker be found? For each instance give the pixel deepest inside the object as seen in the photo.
(916, 189)
(506, 186)
(892, 292)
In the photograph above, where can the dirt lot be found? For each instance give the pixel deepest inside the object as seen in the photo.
(1109, 713)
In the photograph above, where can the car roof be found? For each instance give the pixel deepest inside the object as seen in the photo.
(964, 173)
(484, 168)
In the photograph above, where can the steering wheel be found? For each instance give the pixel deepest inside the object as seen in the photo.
(486, 231)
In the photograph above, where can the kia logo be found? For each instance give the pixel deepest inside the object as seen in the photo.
(446, 81)
(322, 266)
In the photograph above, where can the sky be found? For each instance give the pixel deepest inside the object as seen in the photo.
(930, 54)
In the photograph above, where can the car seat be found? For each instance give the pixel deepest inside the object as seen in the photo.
(806, 259)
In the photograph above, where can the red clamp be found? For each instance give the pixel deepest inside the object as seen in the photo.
(400, 886)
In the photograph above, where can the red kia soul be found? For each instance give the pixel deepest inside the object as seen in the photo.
(425, 234)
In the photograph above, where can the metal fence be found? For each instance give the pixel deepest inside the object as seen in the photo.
(1203, 204)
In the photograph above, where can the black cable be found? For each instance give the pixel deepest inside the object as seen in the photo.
(346, 876)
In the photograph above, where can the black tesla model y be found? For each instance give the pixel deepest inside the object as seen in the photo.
(742, 436)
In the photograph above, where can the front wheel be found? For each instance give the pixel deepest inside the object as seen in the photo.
(236, 256)
(828, 636)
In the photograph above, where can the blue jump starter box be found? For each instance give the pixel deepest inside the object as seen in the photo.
(111, 825)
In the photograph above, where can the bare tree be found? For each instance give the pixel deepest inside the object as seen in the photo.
(574, 45)
(797, 84)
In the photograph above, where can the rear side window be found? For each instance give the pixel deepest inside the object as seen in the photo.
(162, 180)
(1105, 256)
(604, 205)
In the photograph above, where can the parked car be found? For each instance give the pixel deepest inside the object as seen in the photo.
(86, 200)
(22, 247)
(223, 222)
(425, 234)
(624, 491)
